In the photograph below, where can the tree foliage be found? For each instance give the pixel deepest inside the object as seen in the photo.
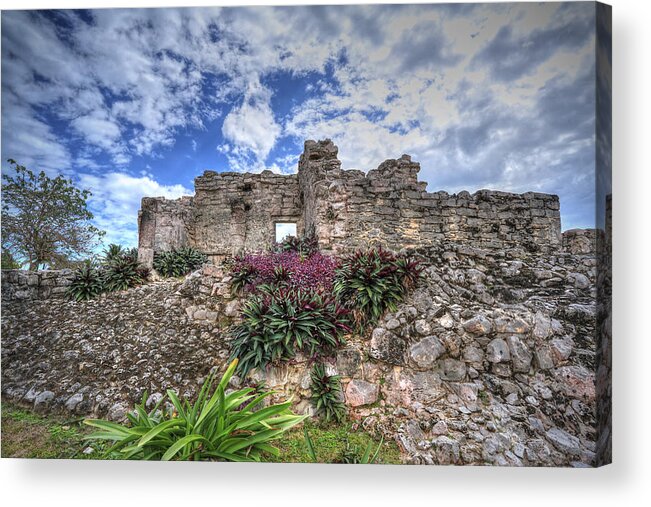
(45, 221)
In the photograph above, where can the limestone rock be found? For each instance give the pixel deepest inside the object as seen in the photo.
(425, 352)
(521, 357)
(498, 351)
(452, 369)
(563, 441)
(360, 392)
(478, 325)
(576, 381)
(386, 346)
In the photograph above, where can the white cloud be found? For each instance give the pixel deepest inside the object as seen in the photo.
(401, 79)
(251, 126)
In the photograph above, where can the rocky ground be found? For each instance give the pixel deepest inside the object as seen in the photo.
(490, 360)
(99, 356)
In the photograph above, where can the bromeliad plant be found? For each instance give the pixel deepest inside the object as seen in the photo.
(87, 283)
(371, 282)
(119, 270)
(178, 262)
(326, 394)
(124, 271)
(218, 426)
(279, 322)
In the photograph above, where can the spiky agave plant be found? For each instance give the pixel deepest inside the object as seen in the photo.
(217, 426)
(87, 283)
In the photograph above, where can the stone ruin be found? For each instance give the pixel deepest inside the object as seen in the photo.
(500, 356)
(232, 212)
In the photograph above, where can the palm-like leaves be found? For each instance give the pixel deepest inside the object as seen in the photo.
(280, 322)
(178, 262)
(326, 394)
(218, 426)
(371, 282)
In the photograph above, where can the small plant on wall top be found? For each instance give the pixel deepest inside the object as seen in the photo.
(119, 270)
(178, 262)
(326, 394)
(217, 426)
(87, 283)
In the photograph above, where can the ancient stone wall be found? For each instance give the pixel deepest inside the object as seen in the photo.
(580, 241)
(164, 224)
(22, 285)
(237, 212)
(388, 206)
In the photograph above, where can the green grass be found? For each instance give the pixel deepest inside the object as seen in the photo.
(29, 435)
(26, 434)
(333, 443)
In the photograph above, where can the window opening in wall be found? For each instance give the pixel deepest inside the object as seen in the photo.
(284, 229)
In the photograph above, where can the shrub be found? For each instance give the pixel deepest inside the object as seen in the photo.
(113, 252)
(123, 272)
(288, 268)
(370, 282)
(119, 270)
(87, 283)
(279, 322)
(326, 394)
(305, 246)
(178, 262)
(218, 426)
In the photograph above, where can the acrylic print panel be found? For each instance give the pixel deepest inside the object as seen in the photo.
(443, 297)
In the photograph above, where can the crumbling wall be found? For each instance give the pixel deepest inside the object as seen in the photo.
(491, 359)
(164, 224)
(238, 212)
(388, 206)
(580, 241)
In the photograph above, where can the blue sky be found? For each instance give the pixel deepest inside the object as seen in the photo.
(132, 103)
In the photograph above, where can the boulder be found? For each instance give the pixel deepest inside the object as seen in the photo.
(360, 392)
(425, 352)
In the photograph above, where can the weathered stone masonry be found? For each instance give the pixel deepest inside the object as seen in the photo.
(233, 212)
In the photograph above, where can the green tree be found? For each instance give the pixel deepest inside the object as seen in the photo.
(7, 261)
(45, 221)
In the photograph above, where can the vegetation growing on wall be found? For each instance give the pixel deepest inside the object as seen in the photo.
(178, 262)
(287, 268)
(118, 269)
(373, 281)
(304, 303)
(278, 322)
(327, 396)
